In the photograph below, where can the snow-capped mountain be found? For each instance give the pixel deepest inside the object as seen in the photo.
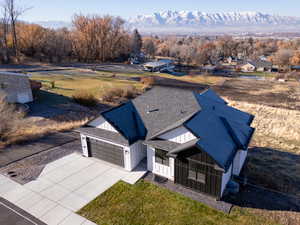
(198, 19)
(54, 24)
(180, 22)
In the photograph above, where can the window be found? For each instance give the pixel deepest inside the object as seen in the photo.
(192, 174)
(195, 174)
(161, 157)
(3, 86)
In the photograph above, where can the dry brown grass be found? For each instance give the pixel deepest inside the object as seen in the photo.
(148, 81)
(201, 79)
(282, 217)
(117, 95)
(11, 120)
(27, 129)
(48, 126)
(85, 98)
(275, 161)
(275, 127)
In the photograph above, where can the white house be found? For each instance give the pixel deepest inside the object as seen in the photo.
(193, 139)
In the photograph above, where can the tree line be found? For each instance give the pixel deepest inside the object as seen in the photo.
(92, 38)
(203, 50)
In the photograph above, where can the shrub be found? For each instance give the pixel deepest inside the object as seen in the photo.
(52, 84)
(148, 81)
(85, 98)
(113, 95)
(117, 95)
(238, 69)
(130, 92)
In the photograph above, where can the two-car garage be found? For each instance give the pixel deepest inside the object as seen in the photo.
(111, 147)
(108, 152)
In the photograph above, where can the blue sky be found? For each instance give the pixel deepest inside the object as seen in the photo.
(64, 9)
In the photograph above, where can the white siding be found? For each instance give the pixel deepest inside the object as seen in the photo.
(85, 150)
(100, 122)
(248, 68)
(127, 160)
(239, 161)
(24, 97)
(179, 135)
(150, 158)
(159, 169)
(138, 152)
(225, 179)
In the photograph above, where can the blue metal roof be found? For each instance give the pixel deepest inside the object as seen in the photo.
(224, 110)
(214, 137)
(221, 129)
(241, 133)
(210, 94)
(127, 121)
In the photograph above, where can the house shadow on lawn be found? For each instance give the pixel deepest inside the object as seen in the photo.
(46, 103)
(50, 105)
(273, 179)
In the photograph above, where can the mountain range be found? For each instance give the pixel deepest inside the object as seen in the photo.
(201, 21)
(197, 21)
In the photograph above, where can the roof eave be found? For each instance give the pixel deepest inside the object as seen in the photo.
(184, 147)
(172, 127)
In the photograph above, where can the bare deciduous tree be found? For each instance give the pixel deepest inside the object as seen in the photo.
(99, 38)
(4, 29)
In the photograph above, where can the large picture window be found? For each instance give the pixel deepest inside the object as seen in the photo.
(195, 174)
(161, 157)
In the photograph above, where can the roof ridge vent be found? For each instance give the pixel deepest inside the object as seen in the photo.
(152, 110)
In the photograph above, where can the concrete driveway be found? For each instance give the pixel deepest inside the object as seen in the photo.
(64, 187)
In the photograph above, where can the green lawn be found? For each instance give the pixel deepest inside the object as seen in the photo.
(148, 204)
(69, 82)
(75, 81)
(262, 74)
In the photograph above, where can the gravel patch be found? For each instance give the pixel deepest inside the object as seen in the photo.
(30, 168)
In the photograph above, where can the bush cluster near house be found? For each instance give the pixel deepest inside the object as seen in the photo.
(118, 95)
(85, 98)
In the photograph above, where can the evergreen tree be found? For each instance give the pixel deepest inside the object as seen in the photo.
(137, 42)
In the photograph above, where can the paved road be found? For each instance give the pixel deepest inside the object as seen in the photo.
(12, 215)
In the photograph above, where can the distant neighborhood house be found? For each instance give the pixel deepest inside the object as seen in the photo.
(161, 65)
(208, 69)
(295, 68)
(256, 65)
(16, 87)
(232, 60)
(193, 139)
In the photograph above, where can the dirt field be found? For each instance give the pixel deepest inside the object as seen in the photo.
(264, 92)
